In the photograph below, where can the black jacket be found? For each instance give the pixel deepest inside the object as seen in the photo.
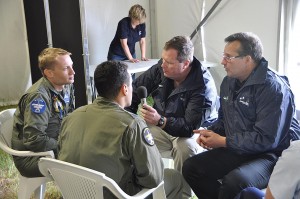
(191, 104)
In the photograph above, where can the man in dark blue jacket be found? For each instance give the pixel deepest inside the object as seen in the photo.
(255, 125)
(185, 98)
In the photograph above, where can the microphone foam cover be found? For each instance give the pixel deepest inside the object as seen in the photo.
(142, 92)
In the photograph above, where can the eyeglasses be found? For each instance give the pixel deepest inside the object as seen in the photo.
(229, 59)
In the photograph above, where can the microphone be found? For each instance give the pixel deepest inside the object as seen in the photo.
(142, 94)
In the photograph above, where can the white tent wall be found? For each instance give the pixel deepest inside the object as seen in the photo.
(257, 16)
(15, 76)
(165, 19)
(177, 17)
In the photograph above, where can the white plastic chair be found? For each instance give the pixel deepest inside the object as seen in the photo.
(26, 185)
(77, 182)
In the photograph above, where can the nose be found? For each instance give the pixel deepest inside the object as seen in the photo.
(223, 61)
(163, 64)
(71, 72)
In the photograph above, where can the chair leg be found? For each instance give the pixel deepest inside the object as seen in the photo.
(39, 193)
(29, 185)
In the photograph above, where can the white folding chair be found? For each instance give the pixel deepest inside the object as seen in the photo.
(26, 185)
(77, 182)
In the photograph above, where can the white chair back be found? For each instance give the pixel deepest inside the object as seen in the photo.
(77, 182)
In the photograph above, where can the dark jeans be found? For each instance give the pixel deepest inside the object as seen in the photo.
(221, 173)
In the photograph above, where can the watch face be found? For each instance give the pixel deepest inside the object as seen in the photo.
(161, 121)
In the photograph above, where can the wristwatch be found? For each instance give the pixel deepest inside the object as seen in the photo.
(161, 121)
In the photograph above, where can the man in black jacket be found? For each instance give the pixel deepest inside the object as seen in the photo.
(185, 98)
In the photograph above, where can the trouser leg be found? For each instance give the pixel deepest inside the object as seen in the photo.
(28, 166)
(173, 184)
(203, 171)
(179, 149)
(253, 173)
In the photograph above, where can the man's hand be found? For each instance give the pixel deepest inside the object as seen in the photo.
(150, 115)
(209, 139)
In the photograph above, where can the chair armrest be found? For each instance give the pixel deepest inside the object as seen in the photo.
(145, 192)
(25, 153)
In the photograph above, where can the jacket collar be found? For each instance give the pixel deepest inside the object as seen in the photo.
(258, 75)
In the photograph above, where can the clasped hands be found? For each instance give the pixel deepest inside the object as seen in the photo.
(209, 139)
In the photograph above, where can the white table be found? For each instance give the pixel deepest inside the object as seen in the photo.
(142, 66)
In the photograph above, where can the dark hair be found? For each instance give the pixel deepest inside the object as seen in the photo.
(184, 47)
(250, 44)
(109, 76)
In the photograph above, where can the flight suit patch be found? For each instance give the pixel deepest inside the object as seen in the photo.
(67, 98)
(38, 106)
(148, 138)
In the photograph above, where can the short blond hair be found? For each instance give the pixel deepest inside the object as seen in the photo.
(137, 12)
(48, 57)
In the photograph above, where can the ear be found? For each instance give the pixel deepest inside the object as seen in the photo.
(186, 63)
(249, 58)
(124, 89)
(48, 73)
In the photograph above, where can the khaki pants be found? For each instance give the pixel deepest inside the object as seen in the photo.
(177, 148)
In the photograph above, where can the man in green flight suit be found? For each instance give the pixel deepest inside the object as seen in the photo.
(105, 137)
(41, 109)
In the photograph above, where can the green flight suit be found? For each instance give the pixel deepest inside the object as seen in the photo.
(105, 137)
(37, 122)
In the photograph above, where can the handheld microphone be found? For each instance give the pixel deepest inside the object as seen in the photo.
(142, 94)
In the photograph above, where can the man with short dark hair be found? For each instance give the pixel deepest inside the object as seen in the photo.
(105, 137)
(255, 125)
(41, 109)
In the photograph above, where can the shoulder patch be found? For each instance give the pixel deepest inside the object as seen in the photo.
(148, 138)
(38, 106)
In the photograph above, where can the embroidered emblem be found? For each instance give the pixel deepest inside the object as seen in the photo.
(38, 106)
(243, 101)
(148, 138)
(140, 32)
(57, 105)
(67, 98)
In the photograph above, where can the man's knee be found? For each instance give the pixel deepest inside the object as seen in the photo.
(186, 147)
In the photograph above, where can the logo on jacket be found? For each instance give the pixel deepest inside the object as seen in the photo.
(244, 101)
(67, 98)
(140, 32)
(148, 138)
(38, 106)
(225, 98)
